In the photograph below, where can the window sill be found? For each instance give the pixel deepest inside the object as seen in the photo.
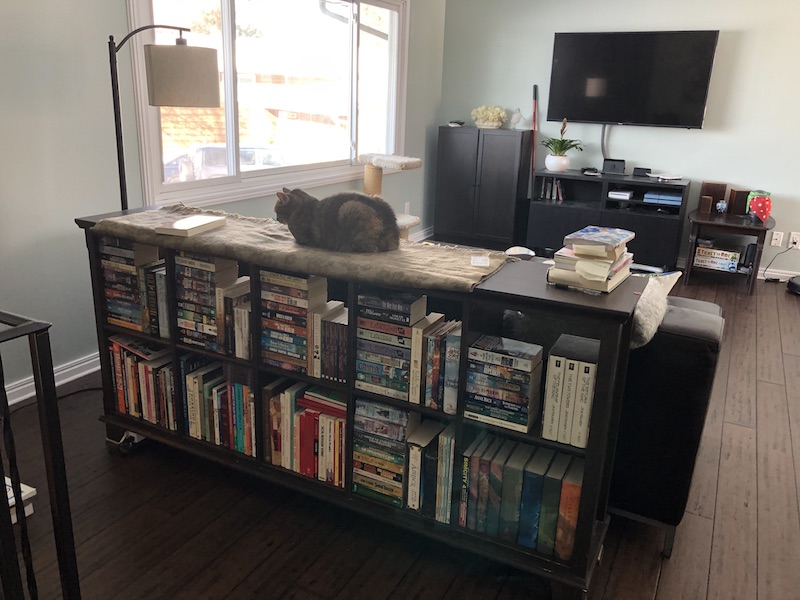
(230, 189)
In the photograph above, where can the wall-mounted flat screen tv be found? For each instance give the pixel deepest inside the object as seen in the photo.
(657, 78)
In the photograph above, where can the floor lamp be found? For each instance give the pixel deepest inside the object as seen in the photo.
(177, 75)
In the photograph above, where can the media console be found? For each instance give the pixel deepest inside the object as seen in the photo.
(567, 201)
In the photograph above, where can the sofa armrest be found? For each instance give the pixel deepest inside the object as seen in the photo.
(667, 390)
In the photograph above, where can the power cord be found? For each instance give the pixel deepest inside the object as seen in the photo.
(775, 279)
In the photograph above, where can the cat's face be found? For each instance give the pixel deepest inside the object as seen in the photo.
(289, 201)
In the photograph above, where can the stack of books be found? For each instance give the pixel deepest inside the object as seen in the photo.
(197, 278)
(288, 303)
(503, 381)
(593, 258)
(385, 322)
(124, 285)
(379, 451)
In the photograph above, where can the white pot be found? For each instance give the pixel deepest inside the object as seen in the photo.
(556, 163)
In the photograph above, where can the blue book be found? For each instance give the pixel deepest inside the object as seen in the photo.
(451, 367)
(551, 496)
(531, 497)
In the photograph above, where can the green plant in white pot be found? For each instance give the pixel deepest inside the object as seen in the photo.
(558, 160)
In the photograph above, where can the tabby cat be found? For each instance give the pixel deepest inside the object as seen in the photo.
(344, 222)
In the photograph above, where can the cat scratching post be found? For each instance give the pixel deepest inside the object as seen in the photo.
(374, 164)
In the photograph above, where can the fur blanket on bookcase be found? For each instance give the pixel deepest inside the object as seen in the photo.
(268, 243)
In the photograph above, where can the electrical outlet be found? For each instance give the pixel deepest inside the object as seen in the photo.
(794, 240)
(777, 238)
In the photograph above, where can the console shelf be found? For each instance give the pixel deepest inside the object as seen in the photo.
(565, 202)
(517, 286)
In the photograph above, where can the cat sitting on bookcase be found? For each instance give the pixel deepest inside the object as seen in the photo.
(344, 222)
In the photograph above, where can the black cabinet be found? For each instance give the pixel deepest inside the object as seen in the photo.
(565, 202)
(482, 180)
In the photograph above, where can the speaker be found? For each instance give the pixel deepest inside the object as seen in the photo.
(641, 171)
(613, 166)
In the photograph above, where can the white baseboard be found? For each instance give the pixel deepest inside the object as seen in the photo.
(25, 388)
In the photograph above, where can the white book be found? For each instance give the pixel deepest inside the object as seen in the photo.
(418, 332)
(288, 409)
(570, 383)
(583, 404)
(552, 396)
(192, 225)
(421, 438)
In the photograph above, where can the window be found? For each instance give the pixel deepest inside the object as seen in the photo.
(306, 87)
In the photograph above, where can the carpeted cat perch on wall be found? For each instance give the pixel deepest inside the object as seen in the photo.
(374, 164)
(268, 243)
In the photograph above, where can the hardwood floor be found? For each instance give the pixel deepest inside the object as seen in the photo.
(160, 524)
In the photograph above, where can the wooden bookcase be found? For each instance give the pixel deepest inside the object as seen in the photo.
(518, 286)
(565, 202)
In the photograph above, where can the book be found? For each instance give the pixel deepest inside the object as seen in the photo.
(511, 495)
(405, 303)
(557, 424)
(531, 496)
(484, 466)
(572, 279)
(452, 364)
(471, 508)
(584, 396)
(551, 496)
(594, 240)
(192, 225)
(496, 469)
(444, 493)
(507, 352)
(568, 509)
(419, 330)
(420, 442)
(570, 383)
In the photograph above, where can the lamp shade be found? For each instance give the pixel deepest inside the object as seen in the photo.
(181, 76)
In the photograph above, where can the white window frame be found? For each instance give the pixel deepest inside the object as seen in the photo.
(254, 184)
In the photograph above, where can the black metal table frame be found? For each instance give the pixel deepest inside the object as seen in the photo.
(44, 380)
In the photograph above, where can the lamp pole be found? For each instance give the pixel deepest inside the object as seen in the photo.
(113, 48)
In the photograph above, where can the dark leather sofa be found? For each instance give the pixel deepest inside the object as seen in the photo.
(667, 391)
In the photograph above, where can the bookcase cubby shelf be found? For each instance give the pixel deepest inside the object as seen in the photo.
(518, 289)
(655, 210)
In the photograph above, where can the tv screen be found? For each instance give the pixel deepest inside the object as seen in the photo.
(657, 78)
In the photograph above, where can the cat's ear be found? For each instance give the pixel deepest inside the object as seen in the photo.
(287, 191)
(282, 198)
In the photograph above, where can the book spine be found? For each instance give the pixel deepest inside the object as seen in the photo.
(384, 338)
(380, 390)
(481, 418)
(381, 411)
(430, 477)
(387, 361)
(497, 358)
(414, 477)
(552, 400)
(284, 299)
(278, 278)
(383, 349)
(570, 383)
(567, 524)
(371, 301)
(386, 316)
(584, 397)
(384, 327)
(452, 363)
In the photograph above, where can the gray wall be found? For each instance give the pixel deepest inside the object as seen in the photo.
(495, 53)
(58, 160)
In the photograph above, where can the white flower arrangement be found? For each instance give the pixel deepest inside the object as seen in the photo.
(489, 114)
